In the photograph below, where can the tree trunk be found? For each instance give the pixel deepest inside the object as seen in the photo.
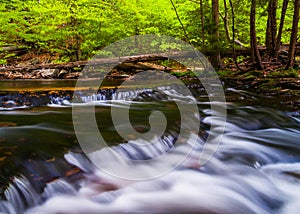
(202, 23)
(254, 49)
(271, 28)
(278, 40)
(78, 48)
(294, 33)
(233, 37)
(226, 22)
(216, 57)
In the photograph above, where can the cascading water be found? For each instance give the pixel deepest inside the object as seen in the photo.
(256, 168)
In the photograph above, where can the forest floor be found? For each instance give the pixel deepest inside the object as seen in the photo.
(273, 80)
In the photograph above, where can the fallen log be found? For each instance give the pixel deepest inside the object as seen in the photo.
(133, 66)
(97, 62)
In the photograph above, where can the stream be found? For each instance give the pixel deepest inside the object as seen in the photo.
(256, 168)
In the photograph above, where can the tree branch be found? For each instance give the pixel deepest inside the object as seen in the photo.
(182, 26)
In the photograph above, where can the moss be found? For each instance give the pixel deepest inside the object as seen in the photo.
(171, 64)
(290, 73)
(226, 73)
(250, 77)
(269, 85)
(253, 74)
(183, 74)
(269, 88)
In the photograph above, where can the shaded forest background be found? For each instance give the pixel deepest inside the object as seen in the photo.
(60, 31)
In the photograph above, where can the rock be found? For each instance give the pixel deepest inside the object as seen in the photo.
(36, 75)
(10, 104)
(49, 73)
(30, 75)
(62, 73)
(15, 75)
(72, 75)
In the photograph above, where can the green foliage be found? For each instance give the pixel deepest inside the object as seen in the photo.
(9, 55)
(76, 29)
(3, 61)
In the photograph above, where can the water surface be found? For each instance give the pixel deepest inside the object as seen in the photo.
(43, 170)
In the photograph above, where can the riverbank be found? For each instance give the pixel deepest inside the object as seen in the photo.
(273, 81)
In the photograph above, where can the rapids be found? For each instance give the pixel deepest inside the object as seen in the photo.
(256, 168)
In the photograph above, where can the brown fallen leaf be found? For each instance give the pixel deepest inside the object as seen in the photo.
(72, 172)
(3, 158)
(50, 160)
(7, 124)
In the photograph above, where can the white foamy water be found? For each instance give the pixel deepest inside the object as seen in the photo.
(250, 173)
